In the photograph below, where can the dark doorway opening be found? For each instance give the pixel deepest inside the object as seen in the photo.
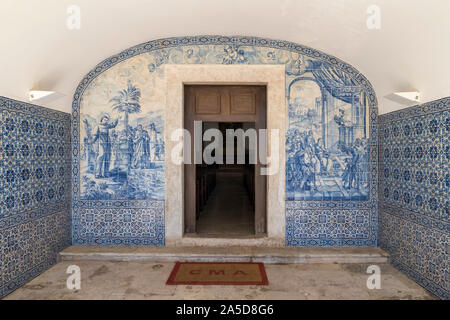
(226, 192)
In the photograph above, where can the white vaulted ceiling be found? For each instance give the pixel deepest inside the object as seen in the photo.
(411, 51)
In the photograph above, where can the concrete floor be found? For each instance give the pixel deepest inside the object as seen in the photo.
(228, 211)
(146, 280)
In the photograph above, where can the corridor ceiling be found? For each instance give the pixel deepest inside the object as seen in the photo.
(410, 51)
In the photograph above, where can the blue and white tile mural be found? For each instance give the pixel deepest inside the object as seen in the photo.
(118, 126)
(122, 150)
(327, 144)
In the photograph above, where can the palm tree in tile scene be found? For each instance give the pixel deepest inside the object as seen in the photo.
(127, 102)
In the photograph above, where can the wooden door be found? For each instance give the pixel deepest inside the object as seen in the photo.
(224, 104)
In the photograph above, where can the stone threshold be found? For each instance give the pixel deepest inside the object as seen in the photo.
(196, 240)
(282, 255)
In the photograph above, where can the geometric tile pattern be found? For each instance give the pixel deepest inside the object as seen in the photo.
(119, 222)
(328, 227)
(35, 185)
(414, 192)
(361, 228)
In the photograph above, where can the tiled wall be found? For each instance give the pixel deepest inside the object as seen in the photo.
(331, 146)
(414, 192)
(34, 190)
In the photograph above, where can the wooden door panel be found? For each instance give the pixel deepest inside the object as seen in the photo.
(189, 169)
(243, 103)
(260, 180)
(207, 102)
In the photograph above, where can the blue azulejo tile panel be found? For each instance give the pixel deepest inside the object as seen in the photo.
(119, 223)
(118, 129)
(419, 250)
(35, 222)
(414, 224)
(327, 140)
(330, 228)
(31, 246)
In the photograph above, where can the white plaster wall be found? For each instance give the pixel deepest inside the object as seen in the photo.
(273, 76)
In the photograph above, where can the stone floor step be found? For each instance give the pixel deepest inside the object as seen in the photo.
(227, 254)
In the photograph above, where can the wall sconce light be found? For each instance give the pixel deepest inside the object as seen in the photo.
(42, 96)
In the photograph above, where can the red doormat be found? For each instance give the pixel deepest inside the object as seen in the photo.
(226, 273)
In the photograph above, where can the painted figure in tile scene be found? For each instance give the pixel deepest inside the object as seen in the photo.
(141, 150)
(101, 134)
(123, 156)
